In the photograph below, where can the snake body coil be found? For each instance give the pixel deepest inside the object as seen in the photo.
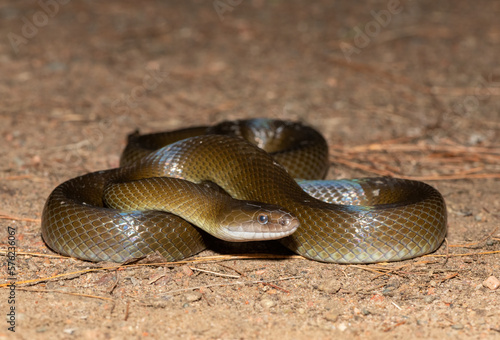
(113, 215)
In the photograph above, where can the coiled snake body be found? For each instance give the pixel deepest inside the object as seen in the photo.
(237, 191)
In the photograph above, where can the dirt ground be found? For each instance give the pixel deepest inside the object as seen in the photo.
(398, 88)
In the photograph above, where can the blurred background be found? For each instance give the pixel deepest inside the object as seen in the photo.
(87, 72)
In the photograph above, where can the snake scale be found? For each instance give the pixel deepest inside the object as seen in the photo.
(236, 181)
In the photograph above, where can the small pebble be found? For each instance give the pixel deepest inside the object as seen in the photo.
(192, 297)
(69, 330)
(365, 311)
(330, 286)
(492, 283)
(333, 312)
(388, 291)
(267, 303)
(187, 271)
(342, 327)
(429, 298)
(135, 281)
(476, 138)
(331, 316)
(457, 326)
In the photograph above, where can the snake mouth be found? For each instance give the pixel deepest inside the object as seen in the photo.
(245, 236)
(251, 232)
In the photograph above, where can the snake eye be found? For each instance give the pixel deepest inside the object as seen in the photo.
(263, 218)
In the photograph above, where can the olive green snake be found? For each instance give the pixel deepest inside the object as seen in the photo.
(236, 181)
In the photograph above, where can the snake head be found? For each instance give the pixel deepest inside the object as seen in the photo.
(255, 221)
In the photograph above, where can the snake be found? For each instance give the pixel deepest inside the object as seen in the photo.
(245, 180)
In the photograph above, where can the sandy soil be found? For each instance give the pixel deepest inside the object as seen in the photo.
(423, 76)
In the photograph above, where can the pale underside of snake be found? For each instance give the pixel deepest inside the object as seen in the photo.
(236, 181)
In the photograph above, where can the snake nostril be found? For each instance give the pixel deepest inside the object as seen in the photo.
(284, 221)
